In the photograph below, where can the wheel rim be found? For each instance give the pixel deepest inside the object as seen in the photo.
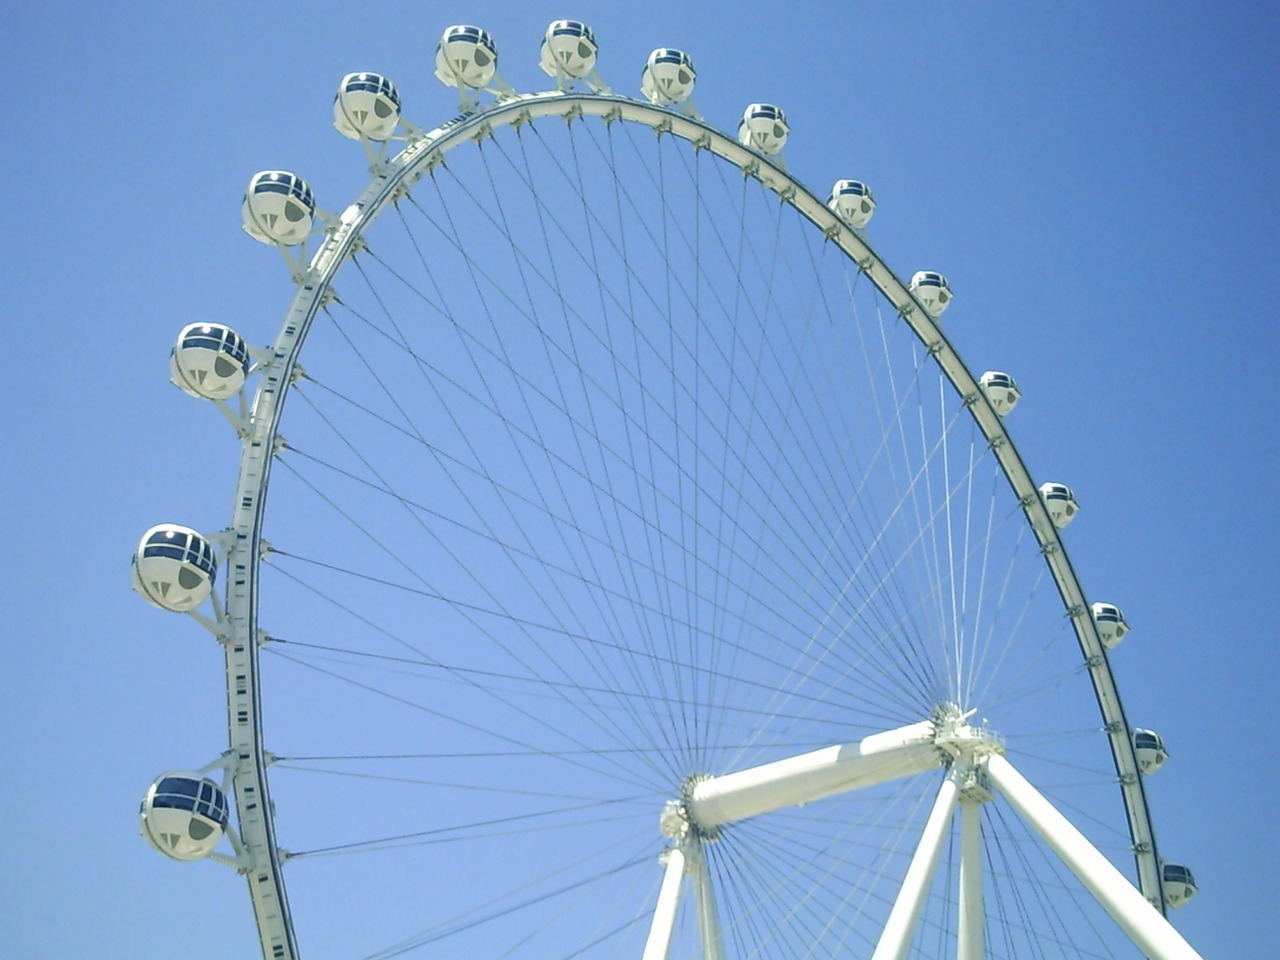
(758, 913)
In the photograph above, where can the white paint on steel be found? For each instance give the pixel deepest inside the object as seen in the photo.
(243, 695)
(899, 930)
(664, 914)
(811, 776)
(704, 899)
(972, 928)
(1142, 922)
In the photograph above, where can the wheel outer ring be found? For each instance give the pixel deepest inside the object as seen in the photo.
(244, 703)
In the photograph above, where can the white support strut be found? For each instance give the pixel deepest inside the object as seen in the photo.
(664, 914)
(811, 776)
(1143, 923)
(704, 899)
(900, 928)
(972, 928)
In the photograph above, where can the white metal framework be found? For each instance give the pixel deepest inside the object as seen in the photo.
(616, 574)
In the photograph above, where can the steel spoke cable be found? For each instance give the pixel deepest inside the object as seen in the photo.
(961, 611)
(399, 665)
(863, 883)
(505, 359)
(868, 553)
(893, 427)
(779, 568)
(429, 590)
(536, 820)
(890, 574)
(492, 912)
(443, 517)
(1011, 632)
(587, 513)
(1061, 930)
(422, 440)
(656, 565)
(905, 624)
(636, 892)
(689, 718)
(620, 772)
(594, 432)
(821, 881)
(982, 604)
(453, 602)
(541, 626)
(773, 471)
(626, 573)
(932, 550)
(506, 789)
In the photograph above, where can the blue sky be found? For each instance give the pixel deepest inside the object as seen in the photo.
(1096, 180)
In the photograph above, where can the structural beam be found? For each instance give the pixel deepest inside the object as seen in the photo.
(900, 928)
(972, 922)
(1143, 923)
(704, 899)
(664, 914)
(811, 776)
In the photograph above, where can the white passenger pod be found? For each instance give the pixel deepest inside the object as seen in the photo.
(932, 290)
(174, 567)
(1001, 390)
(1061, 503)
(209, 361)
(668, 77)
(466, 57)
(278, 208)
(1149, 747)
(1179, 884)
(852, 202)
(1111, 623)
(366, 107)
(184, 815)
(569, 52)
(763, 128)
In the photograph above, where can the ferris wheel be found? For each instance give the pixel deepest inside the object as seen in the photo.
(624, 563)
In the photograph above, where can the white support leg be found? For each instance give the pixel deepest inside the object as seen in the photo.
(811, 776)
(664, 914)
(895, 939)
(972, 918)
(1143, 923)
(704, 898)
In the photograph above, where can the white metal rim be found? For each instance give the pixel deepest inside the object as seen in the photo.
(244, 698)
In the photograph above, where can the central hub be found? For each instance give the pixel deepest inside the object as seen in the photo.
(676, 821)
(966, 745)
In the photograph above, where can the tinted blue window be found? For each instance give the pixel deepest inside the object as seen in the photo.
(178, 785)
(173, 552)
(171, 802)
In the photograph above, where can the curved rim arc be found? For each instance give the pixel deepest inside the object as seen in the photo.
(389, 183)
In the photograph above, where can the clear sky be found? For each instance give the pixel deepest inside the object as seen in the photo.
(1097, 180)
